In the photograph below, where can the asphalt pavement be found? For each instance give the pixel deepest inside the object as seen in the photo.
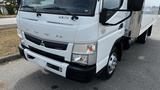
(139, 70)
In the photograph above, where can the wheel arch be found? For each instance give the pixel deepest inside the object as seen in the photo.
(150, 31)
(107, 43)
(119, 45)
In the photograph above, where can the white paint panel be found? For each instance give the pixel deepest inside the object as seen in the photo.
(108, 36)
(104, 47)
(150, 14)
(42, 61)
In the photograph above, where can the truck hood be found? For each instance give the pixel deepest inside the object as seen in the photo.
(59, 27)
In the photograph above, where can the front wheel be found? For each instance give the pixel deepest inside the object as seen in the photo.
(108, 71)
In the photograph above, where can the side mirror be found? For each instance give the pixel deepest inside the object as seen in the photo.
(104, 17)
(135, 5)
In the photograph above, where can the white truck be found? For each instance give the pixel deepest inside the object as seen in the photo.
(80, 39)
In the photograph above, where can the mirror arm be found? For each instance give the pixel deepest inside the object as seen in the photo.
(121, 20)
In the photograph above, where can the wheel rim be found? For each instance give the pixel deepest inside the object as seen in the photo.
(112, 63)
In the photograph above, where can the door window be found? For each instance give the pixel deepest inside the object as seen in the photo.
(110, 5)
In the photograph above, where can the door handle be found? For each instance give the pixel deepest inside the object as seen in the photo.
(120, 26)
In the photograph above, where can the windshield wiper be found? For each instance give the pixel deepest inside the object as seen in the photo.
(58, 8)
(27, 6)
(74, 17)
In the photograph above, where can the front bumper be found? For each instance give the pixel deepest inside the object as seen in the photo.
(67, 70)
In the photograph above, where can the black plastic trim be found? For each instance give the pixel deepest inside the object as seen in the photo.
(46, 54)
(21, 51)
(53, 67)
(82, 74)
(46, 43)
(33, 39)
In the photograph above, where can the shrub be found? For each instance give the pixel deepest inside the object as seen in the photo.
(10, 9)
(10, 6)
(0, 12)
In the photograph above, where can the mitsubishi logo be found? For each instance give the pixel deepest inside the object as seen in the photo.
(42, 43)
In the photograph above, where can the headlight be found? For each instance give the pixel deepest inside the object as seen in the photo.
(85, 54)
(20, 34)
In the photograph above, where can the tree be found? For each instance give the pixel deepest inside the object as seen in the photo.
(10, 6)
(0, 12)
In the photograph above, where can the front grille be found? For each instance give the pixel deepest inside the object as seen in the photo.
(33, 39)
(46, 54)
(45, 43)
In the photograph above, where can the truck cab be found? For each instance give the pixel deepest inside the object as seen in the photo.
(76, 39)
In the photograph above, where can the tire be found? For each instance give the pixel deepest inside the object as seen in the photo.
(108, 71)
(126, 43)
(150, 31)
(142, 39)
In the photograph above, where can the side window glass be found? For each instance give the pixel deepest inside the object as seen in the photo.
(112, 4)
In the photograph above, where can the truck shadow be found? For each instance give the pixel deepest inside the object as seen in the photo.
(41, 81)
(131, 73)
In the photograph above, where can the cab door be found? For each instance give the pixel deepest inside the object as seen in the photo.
(112, 31)
(113, 16)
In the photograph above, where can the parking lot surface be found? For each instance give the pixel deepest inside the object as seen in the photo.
(139, 70)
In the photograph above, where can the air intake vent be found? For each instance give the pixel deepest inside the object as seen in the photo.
(45, 43)
(46, 54)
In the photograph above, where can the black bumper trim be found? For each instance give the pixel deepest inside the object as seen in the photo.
(52, 45)
(21, 51)
(82, 74)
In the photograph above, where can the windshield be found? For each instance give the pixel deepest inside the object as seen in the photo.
(65, 7)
